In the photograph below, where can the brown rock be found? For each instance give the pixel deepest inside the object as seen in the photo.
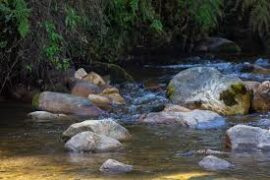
(102, 102)
(261, 97)
(175, 108)
(84, 88)
(114, 95)
(95, 79)
(65, 104)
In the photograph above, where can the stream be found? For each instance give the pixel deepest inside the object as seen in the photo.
(32, 150)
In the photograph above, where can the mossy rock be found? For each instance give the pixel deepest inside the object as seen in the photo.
(227, 48)
(237, 99)
(117, 73)
(206, 88)
(35, 100)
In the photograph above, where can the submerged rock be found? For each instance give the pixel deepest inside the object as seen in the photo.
(83, 89)
(43, 115)
(112, 166)
(66, 104)
(199, 119)
(243, 138)
(91, 142)
(214, 163)
(106, 127)
(207, 88)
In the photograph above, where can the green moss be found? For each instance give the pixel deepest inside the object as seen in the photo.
(35, 101)
(239, 88)
(170, 90)
(229, 96)
(229, 48)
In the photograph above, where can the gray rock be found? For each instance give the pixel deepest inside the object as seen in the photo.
(106, 127)
(66, 104)
(213, 163)
(112, 166)
(43, 115)
(243, 138)
(200, 119)
(218, 45)
(84, 88)
(80, 73)
(91, 142)
(207, 88)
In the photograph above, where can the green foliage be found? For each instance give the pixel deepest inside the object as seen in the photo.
(72, 18)
(53, 49)
(203, 14)
(259, 12)
(16, 11)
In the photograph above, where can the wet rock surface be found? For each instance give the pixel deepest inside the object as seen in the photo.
(65, 103)
(112, 166)
(106, 127)
(210, 90)
(213, 163)
(243, 138)
(43, 115)
(198, 119)
(91, 142)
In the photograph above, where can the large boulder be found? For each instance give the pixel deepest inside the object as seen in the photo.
(66, 104)
(207, 88)
(112, 166)
(243, 138)
(84, 88)
(213, 163)
(199, 119)
(261, 97)
(91, 142)
(106, 127)
(217, 45)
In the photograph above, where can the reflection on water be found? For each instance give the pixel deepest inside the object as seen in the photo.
(31, 150)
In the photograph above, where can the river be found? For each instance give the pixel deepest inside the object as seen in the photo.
(34, 150)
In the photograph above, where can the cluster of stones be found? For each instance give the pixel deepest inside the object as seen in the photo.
(199, 97)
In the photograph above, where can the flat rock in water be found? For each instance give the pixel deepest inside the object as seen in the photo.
(43, 115)
(91, 142)
(112, 166)
(199, 119)
(243, 138)
(65, 103)
(207, 88)
(106, 127)
(213, 163)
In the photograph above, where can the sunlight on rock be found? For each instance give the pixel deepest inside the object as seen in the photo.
(184, 176)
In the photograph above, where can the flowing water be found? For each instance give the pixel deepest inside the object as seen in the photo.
(32, 150)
